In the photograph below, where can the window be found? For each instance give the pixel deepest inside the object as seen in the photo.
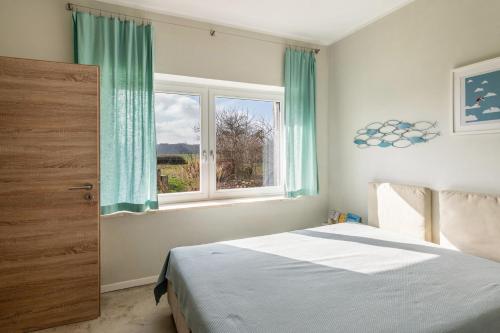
(217, 139)
(178, 142)
(245, 132)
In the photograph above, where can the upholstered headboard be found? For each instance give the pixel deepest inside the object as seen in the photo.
(404, 209)
(470, 222)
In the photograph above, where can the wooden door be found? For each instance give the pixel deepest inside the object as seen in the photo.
(49, 233)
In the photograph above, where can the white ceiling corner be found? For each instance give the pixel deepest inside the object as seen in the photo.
(320, 22)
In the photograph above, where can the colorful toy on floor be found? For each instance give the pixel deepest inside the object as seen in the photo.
(335, 217)
(353, 218)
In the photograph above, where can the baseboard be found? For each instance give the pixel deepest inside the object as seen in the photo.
(128, 284)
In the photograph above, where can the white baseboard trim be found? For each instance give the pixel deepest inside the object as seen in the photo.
(128, 284)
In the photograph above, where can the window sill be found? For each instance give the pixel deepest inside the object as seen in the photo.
(218, 202)
(203, 204)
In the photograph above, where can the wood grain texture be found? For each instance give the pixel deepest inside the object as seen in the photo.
(49, 235)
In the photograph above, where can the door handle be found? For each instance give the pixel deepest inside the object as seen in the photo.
(85, 187)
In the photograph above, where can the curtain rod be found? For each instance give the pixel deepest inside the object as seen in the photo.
(73, 7)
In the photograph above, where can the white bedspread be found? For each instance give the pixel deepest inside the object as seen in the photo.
(340, 278)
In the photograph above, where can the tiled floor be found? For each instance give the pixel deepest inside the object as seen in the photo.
(126, 311)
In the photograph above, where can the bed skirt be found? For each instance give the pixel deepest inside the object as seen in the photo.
(180, 322)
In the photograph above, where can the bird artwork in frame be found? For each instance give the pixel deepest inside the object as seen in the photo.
(476, 98)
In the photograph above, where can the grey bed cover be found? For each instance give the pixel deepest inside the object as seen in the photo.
(339, 278)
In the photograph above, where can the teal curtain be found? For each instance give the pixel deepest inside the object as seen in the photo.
(300, 124)
(124, 52)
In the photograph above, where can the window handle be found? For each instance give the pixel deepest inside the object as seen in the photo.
(204, 156)
(212, 155)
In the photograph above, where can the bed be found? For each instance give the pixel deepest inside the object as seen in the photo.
(342, 278)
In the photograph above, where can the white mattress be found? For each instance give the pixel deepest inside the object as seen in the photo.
(341, 278)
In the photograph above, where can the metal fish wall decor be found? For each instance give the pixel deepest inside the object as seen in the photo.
(395, 133)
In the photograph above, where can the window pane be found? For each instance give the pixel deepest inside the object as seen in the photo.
(177, 142)
(246, 142)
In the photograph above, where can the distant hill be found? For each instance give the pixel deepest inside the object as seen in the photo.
(177, 148)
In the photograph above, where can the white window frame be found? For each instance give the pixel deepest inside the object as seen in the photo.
(202, 194)
(251, 191)
(208, 90)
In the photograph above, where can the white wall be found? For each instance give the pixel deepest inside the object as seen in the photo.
(133, 247)
(400, 68)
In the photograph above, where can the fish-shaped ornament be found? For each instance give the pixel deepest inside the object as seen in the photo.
(396, 133)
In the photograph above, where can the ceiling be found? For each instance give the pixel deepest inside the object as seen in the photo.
(316, 21)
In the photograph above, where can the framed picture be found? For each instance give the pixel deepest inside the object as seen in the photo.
(476, 98)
